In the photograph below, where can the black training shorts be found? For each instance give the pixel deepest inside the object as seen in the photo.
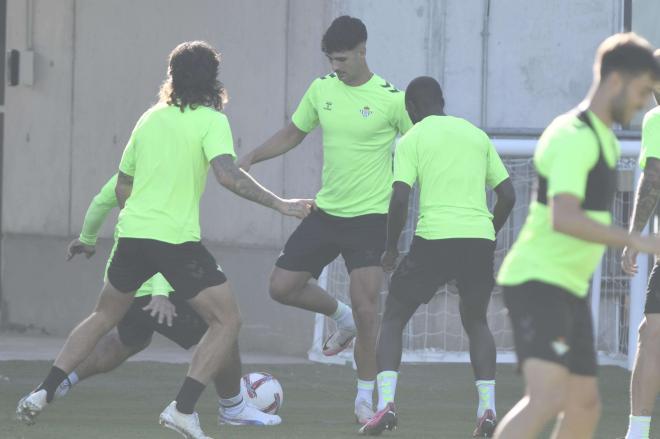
(432, 263)
(550, 323)
(188, 267)
(137, 326)
(321, 237)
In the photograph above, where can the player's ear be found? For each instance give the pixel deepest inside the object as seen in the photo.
(411, 109)
(362, 50)
(616, 81)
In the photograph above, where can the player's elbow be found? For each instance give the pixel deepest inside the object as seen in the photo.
(506, 194)
(652, 172)
(509, 198)
(398, 203)
(400, 195)
(563, 223)
(224, 179)
(225, 170)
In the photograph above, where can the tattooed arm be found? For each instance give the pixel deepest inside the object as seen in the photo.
(646, 198)
(123, 188)
(242, 184)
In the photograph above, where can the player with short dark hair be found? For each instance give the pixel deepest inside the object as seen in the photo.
(546, 274)
(360, 114)
(645, 379)
(162, 175)
(453, 162)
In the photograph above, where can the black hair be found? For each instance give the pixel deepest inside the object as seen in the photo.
(425, 92)
(345, 33)
(192, 77)
(626, 53)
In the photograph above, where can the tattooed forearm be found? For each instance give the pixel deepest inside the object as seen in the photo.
(646, 198)
(241, 183)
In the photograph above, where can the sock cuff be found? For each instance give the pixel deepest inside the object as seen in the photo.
(365, 385)
(73, 378)
(485, 382)
(387, 374)
(231, 402)
(645, 419)
(341, 309)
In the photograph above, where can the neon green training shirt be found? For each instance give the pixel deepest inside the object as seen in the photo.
(359, 127)
(454, 162)
(650, 136)
(566, 153)
(98, 210)
(168, 157)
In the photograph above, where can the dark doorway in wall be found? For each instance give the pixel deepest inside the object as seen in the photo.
(3, 58)
(627, 15)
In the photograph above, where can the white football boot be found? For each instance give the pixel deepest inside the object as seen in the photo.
(30, 406)
(186, 425)
(250, 415)
(363, 411)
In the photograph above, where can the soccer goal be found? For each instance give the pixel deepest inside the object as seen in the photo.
(434, 334)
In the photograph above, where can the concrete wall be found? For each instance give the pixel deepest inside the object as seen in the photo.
(99, 65)
(45, 293)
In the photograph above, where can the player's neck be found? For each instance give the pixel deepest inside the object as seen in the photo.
(438, 111)
(600, 105)
(361, 78)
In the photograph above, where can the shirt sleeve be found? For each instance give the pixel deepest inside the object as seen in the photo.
(160, 286)
(650, 139)
(127, 163)
(306, 118)
(496, 172)
(405, 161)
(568, 172)
(402, 120)
(98, 210)
(128, 158)
(218, 139)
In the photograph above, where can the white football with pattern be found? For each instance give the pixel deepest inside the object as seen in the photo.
(262, 391)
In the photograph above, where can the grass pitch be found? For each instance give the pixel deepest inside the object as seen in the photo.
(434, 401)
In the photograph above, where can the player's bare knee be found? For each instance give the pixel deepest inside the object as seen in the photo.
(235, 324)
(104, 321)
(548, 396)
(649, 332)
(474, 323)
(585, 404)
(230, 323)
(281, 290)
(365, 316)
(547, 403)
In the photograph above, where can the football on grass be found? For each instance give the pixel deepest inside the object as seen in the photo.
(262, 391)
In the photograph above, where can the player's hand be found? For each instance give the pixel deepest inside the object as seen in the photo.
(161, 309)
(388, 260)
(629, 261)
(245, 162)
(299, 208)
(76, 247)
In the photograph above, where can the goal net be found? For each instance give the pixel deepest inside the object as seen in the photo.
(435, 334)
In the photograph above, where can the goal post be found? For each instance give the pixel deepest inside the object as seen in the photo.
(435, 334)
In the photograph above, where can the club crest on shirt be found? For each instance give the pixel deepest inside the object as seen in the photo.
(366, 112)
